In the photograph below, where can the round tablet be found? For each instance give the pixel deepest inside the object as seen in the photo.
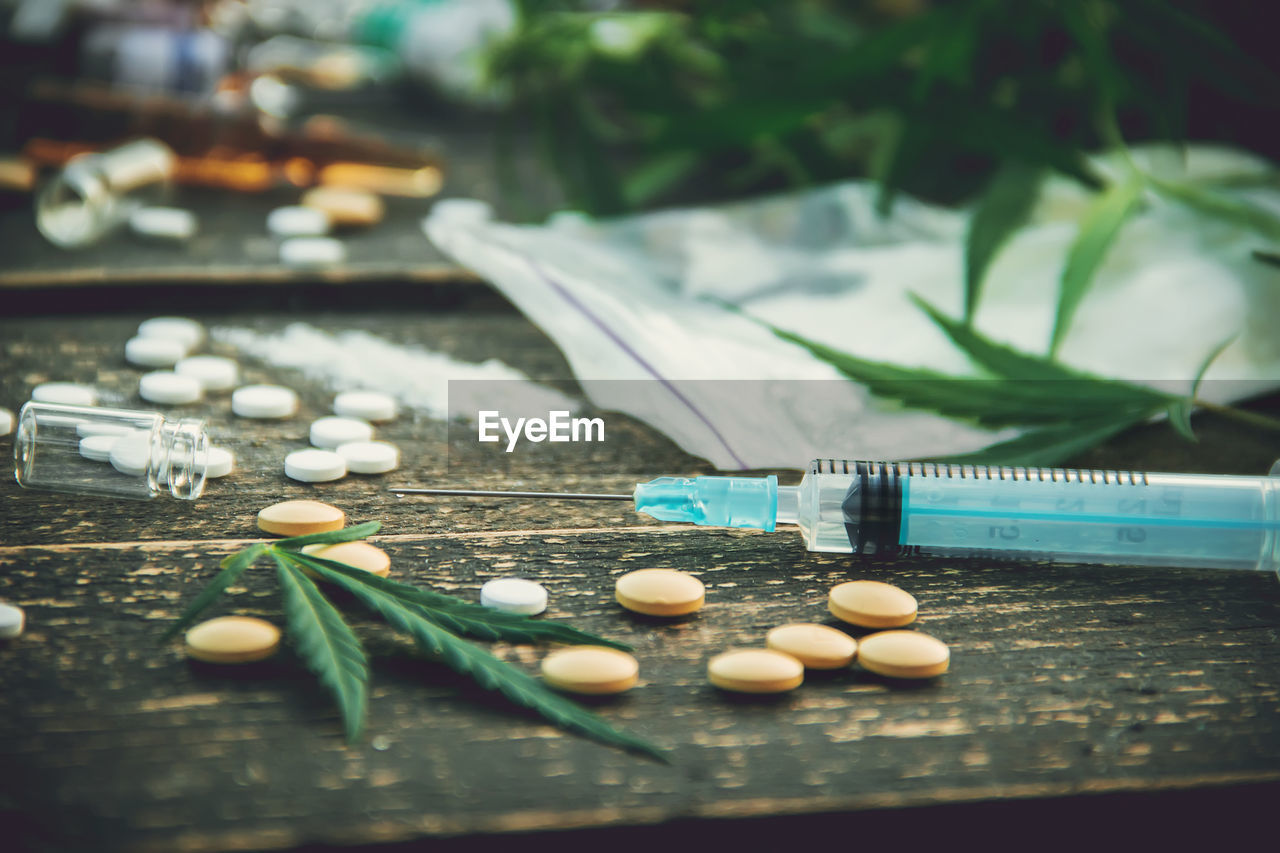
(332, 431)
(297, 221)
(168, 388)
(346, 207)
(219, 462)
(370, 457)
(594, 670)
(372, 406)
(660, 592)
(755, 671)
(131, 454)
(6, 421)
(64, 393)
(312, 251)
(872, 604)
(904, 654)
(514, 595)
(154, 352)
(816, 646)
(300, 518)
(163, 223)
(233, 639)
(264, 401)
(12, 621)
(182, 329)
(314, 466)
(213, 372)
(358, 555)
(97, 447)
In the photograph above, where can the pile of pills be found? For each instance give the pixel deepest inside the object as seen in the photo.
(343, 443)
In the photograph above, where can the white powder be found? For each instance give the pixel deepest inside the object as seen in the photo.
(416, 377)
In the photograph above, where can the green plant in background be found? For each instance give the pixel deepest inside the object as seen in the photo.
(436, 622)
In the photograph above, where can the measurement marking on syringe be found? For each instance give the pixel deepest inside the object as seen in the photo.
(1127, 520)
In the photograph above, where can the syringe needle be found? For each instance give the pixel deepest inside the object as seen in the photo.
(573, 496)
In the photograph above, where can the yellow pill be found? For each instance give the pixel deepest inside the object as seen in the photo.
(904, 654)
(345, 207)
(872, 604)
(660, 592)
(299, 518)
(755, 671)
(359, 555)
(233, 639)
(595, 670)
(816, 646)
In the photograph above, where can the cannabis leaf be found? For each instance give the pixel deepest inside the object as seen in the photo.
(232, 568)
(1000, 212)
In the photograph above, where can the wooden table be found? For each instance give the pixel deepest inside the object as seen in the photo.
(1075, 692)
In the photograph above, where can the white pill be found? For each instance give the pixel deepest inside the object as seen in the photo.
(370, 457)
(312, 251)
(64, 393)
(514, 595)
(131, 454)
(182, 329)
(154, 352)
(98, 447)
(297, 221)
(168, 388)
(6, 421)
(264, 401)
(219, 463)
(372, 406)
(88, 428)
(12, 620)
(314, 466)
(462, 210)
(163, 223)
(214, 372)
(331, 431)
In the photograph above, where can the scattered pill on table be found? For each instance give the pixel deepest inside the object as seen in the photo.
(358, 555)
(169, 389)
(233, 639)
(214, 372)
(297, 221)
(346, 207)
(98, 447)
(755, 671)
(872, 604)
(219, 462)
(315, 466)
(6, 421)
(65, 394)
(12, 621)
(514, 595)
(331, 431)
(182, 329)
(312, 251)
(816, 646)
(300, 518)
(592, 670)
(660, 592)
(131, 454)
(370, 457)
(904, 654)
(372, 406)
(163, 223)
(154, 352)
(264, 401)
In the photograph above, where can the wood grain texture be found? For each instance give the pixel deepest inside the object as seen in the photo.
(1065, 680)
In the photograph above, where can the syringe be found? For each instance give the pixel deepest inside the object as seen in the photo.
(935, 509)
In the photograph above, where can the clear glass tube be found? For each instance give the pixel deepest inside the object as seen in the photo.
(109, 452)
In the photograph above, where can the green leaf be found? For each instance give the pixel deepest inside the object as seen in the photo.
(489, 672)
(1220, 206)
(1099, 230)
(1001, 211)
(1266, 257)
(1047, 445)
(232, 567)
(658, 175)
(1179, 412)
(463, 617)
(325, 642)
(329, 537)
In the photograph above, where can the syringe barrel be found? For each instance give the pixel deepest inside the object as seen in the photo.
(1070, 515)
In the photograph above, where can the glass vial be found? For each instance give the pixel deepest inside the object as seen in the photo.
(109, 452)
(95, 192)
